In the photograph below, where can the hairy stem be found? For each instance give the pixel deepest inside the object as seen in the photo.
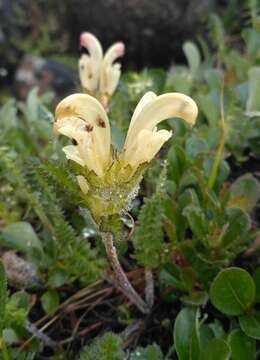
(149, 289)
(120, 276)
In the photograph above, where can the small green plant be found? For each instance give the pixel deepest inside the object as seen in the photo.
(125, 251)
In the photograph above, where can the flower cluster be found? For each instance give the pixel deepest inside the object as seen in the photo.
(98, 74)
(106, 178)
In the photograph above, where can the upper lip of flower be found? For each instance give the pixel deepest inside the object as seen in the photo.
(83, 118)
(98, 70)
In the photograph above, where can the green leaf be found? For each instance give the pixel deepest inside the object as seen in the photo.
(3, 296)
(242, 347)
(238, 225)
(195, 298)
(217, 329)
(22, 237)
(206, 335)
(214, 77)
(232, 291)
(222, 173)
(250, 324)
(32, 105)
(197, 221)
(186, 335)
(106, 347)
(58, 278)
(50, 301)
(17, 309)
(151, 352)
(170, 275)
(209, 105)
(192, 54)
(8, 115)
(256, 277)
(177, 163)
(10, 336)
(195, 146)
(216, 349)
(179, 79)
(245, 192)
(253, 102)
(188, 278)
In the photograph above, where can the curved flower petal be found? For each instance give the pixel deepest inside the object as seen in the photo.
(147, 98)
(110, 73)
(146, 146)
(72, 153)
(89, 65)
(83, 118)
(161, 108)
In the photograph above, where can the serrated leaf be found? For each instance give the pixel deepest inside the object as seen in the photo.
(151, 352)
(148, 238)
(106, 347)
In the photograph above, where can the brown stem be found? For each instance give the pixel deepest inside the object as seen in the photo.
(149, 289)
(120, 276)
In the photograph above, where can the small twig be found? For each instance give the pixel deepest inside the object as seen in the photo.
(45, 339)
(79, 294)
(215, 166)
(74, 306)
(82, 333)
(149, 289)
(40, 330)
(120, 276)
(132, 328)
(254, 246)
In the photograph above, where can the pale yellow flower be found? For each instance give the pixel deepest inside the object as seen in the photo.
(82, 118)
(98, 73)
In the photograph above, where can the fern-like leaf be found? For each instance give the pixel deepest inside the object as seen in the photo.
(107, 347)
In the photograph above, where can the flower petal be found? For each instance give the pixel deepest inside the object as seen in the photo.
(72, 153)
(147, 145)
(115, 51)
(89, 65)
(84, 119)
(110, 73)
(161, 108)
(88, 73)
(147, 98)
